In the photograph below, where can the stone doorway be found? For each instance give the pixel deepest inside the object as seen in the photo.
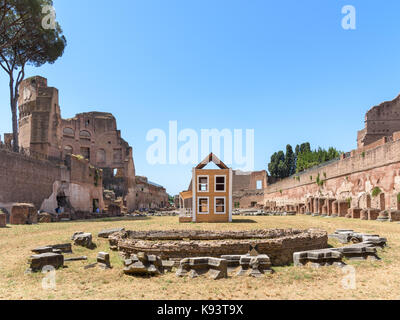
(62, 202)
(95, 205)
(368, 201)
(382, 201)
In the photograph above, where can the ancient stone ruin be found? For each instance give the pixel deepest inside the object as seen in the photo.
(103, 260)
(279, 245)
(23, 213)
(83, 239)
(143, 264)
(249, 265)
(38, 261)
(318, 258)
(194, 267)
(106, 233)
(350, 236)
(364, 247)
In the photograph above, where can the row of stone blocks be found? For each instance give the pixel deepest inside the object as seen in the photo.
(329, 207)
(26, 213)
(374, 214)
(315, 206)
(350, 236)
(218, 268)
(214, 268)
(364, 247)
(52, 256)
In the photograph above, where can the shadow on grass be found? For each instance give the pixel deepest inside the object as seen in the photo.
(243, 221)
(116, 219)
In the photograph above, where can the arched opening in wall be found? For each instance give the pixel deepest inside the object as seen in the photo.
(382, 201)
(368, 201)
(118, 173)
(62, 202)
(85, 135)
(85, 152)
(68, 132)
(95, 206)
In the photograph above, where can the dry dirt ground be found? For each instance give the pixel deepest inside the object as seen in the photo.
(374, 279)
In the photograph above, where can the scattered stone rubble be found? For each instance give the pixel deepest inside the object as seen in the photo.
(38, 261)
(143, 264)
(359, 251)
(44, 217)
(347, 236)
(103, 260)
(278, 244)
(257, 213)
(318, 258)
(83, 239)
(71, 259)
(63, 248)
(106, 233)
(247, 265)
(215, 268)
(364, 247)
(255, 263)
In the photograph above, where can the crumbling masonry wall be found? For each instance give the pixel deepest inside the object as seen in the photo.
(381, 121)
(352, 179)
(25, 178)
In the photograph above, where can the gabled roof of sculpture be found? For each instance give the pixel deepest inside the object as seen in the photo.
(212, 158)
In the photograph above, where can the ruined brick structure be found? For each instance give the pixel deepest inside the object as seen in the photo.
(361, 184)
(248, 188)
(380, 122)
(150, 195)
(92, 136)
(48, 184)
(278, 244)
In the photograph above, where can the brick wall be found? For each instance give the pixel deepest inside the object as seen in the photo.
(23, 178)
(352, 177)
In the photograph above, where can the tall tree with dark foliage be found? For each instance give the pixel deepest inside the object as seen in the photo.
(26, 38)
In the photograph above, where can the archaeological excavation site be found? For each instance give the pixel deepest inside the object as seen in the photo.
(79, 176)
(68, 171)
(191, 156)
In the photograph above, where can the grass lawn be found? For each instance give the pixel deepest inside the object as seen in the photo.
(374, 279)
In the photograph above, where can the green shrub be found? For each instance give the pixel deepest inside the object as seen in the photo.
(398, 198)
(96, 177)
(376, 191)
(319, 181)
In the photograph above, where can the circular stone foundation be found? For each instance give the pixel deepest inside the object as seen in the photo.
(278, 244)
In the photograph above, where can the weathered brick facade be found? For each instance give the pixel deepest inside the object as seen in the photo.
(365, 180)
(380, 122)
(93, 136)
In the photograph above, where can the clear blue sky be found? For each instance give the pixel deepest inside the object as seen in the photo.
(284, 68)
